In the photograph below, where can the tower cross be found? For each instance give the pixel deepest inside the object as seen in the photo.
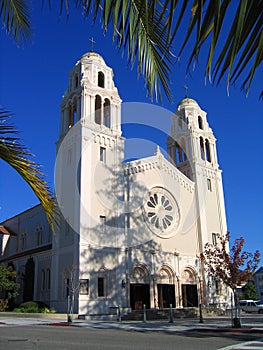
(92, 43)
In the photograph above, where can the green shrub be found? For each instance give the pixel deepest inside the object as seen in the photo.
(34, 307)
(46, 310)
(29, 310)
(29, 306)
(16, 309)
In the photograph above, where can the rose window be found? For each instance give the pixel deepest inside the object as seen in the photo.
(161, 212)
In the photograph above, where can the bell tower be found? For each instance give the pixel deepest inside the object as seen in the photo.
(91, 97)
(191, 140)
(90, 151)
(192, 149)
(89, 139)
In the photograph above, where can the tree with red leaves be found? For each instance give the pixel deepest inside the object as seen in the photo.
(232, 267)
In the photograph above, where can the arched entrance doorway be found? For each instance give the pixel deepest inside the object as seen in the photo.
(28, 292)
(189, 288)
(140, 287)
(166, 287)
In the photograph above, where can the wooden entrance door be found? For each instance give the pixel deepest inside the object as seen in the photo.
(190, 295)
(139, 295)
(166, 295)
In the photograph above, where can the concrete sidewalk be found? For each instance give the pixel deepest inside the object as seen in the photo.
(210, 324)
(176, 326)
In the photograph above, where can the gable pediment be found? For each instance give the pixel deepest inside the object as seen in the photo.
(158, 162)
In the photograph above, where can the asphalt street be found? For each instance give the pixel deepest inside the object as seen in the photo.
(53, 332)
(57, 338)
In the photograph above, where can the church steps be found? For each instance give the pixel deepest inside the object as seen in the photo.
(160, 314)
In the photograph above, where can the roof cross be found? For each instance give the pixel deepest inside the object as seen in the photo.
(92, 43)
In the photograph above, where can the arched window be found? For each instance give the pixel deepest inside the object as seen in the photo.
(180, 155)
(98, 109)
(39, 232)
(72, 114)
(177, 155)
(207, 151)
(184, 158)
(106, 113)
(200, 122)
(101, 79)
(76, 81)
(102, 283)
(48, 278)
(43, 278)
(202, 148)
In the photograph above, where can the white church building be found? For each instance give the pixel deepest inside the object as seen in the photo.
(132, 231)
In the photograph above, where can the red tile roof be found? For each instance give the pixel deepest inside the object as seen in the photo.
(4, 230)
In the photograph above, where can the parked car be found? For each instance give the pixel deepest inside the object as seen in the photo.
(244, 303)
(251, 306)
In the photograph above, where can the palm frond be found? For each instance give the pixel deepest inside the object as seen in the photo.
(146, 29)
(240, 54)
(253, 47)
(18, 157)
(15, 18)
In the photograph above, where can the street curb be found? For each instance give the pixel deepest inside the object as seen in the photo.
(51, 316)
(60, 324)
(227, 330)
(171, 330)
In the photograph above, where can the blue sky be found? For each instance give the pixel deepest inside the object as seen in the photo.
(34, 78)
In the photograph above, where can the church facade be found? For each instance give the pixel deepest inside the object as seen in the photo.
(132, 232)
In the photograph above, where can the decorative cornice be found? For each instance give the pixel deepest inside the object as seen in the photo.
(28, 252)
(178, 176)
(103, 140)
(210, 172)
(100, 129)
(159, 162)
(93, 90)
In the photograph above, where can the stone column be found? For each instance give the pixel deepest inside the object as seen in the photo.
(91, 109)
(180, 301)
(101, 111)
(155, 293)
